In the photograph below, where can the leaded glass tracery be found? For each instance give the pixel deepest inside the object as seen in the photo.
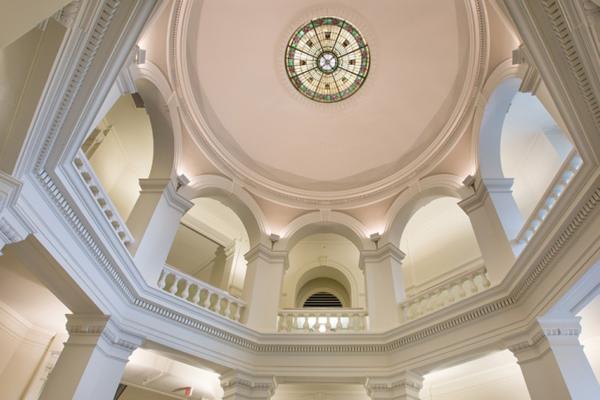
(327, 59)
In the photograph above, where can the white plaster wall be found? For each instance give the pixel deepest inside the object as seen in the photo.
(329, 250)
(438, 241)
(220, 226)
(533, 148)
(125, 155)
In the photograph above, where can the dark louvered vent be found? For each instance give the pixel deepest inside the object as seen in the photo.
(323, 299)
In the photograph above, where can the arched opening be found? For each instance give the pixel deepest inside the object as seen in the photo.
(120, 151)
(439, 244)
(323, 262)
(532, 150)
(323, 288)
(210, 244)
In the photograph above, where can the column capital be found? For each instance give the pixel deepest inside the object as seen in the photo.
(169, 188)
(403, 386)
(238, 385)
(100, 330)
(153, 185)
(262, 252)
(13, 228)
(547, 332)
(387, 251)
(475, 195)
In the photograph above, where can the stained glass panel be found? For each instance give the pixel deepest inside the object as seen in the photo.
(327, 59)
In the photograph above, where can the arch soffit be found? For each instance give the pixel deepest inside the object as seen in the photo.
(234, 197)
(416, 197)
(299, 275)
(325, 222)
(311, 287)
(494, 101)
(158, 96)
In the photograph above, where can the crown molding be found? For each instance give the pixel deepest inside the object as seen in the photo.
(281, 193)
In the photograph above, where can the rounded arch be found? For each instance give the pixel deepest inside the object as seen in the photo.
(325, 222)
(343, 275)
(417, 196)
(161, 107)
(232, 196)
(496, 97)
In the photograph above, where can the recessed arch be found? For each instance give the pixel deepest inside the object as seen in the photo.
(158, 99)
(415, 197)
(329, 222)
(238, 200)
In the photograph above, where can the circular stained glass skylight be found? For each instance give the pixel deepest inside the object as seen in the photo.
(327, 59)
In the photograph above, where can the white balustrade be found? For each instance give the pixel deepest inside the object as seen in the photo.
(556, 188)
(200, 293)
(86, 172)
(445, 293)
(322, 320)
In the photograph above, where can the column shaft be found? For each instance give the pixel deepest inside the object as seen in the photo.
(492, 237)
(153, 223)
(384, 286)
(553, 362)
(92, 361)
(262, 287)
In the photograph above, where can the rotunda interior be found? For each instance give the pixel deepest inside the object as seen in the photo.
(215, 199)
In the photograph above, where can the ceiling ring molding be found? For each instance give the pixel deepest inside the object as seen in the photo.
(227, 163)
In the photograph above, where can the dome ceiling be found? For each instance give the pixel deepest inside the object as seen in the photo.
(254, 125)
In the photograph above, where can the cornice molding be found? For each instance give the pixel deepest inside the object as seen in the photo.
(92, 329)
(13, 228)
(262, 252)
(383, 253)
(488, 309)
(284, 194)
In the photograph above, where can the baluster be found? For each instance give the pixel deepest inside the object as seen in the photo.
(186, 289)
(213, 302)
(238, 312)
(461, 289)
(196, 297)
(175, 287)
(205, 298)
(328, 322)
(162, 281)
(471, 285)
(338, 323)
(225, 305)
(281, 322)
(484, 279)
(306, 325)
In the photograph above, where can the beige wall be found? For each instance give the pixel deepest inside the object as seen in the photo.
(134, 393)
(18, 17)
(24, 69)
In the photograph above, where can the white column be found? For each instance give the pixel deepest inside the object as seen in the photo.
(222, 275)
(553, 362)
(241, 386)
(153, 223)
(262, 287)
(384, 284)
(404, 386)
(492, 236)
(93, 360)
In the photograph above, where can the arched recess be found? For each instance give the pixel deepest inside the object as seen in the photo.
(298, 276)
(519, 143)
(325, 222)
(237, 199)
(120, 152)
(415, 197)
(439, 243)
(161, 103)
